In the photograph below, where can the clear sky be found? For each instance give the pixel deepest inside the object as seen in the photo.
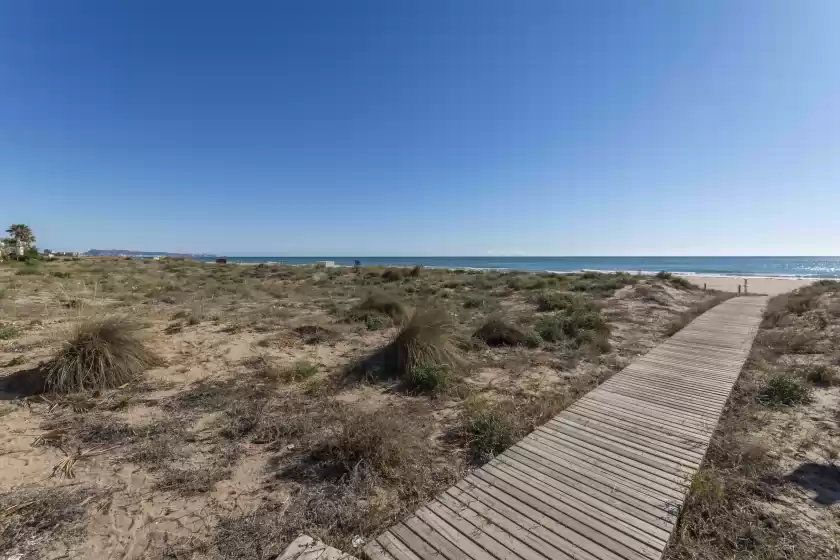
(409, 127)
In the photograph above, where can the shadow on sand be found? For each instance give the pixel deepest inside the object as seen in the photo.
(23, 383)
(824, 480)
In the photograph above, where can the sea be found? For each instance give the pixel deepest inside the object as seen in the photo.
(793, 267)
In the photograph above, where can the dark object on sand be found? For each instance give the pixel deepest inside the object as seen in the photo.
(221, 261)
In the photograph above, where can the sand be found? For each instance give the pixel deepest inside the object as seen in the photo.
(771, 286)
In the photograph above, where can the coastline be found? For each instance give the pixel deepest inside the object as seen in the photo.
(769, 285)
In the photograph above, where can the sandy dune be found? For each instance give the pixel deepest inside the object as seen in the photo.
(755, 285)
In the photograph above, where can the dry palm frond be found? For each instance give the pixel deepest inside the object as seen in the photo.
(64, 469)
(52, 435)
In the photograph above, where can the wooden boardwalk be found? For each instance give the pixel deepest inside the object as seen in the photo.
(606, 478)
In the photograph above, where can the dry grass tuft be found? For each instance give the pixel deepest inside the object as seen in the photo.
(101, 354)
(30, 519)
(498, 332)
(426, 340)
(377, 305)
(375, 444)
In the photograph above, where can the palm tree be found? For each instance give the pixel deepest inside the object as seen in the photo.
(21, 234)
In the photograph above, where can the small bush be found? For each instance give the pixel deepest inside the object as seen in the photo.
(100, 354)
(819, 374)
(601, 284)
(560, 301)
(533, 340)
(304, 370)
(798, 302)
(373, 444)
(415, 272)
(376, 308)
(28, 271)
(579, 327)
(473, 302)
(675, 281)
(9, 332)
(375, 322)
(497, 332)
(489, 430)
(393, 275)
(430, 378)
(60, 274)
(784, 390)
(426, 340)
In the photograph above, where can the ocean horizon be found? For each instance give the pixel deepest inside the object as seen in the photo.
(790, 267)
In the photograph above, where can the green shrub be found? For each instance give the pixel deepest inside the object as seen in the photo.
(488, 430)
(415, 272)
(60, 274)
(602, 284)
(578, 328)
(561, 301)
(676, 281)
(304, 370)
(533, 340)
(9, 332)
(784, 390)
(431, 378)
(377, 322)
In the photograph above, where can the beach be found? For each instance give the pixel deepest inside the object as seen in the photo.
(259, 394)
(755, 284)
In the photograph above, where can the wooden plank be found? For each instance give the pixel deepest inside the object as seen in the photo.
(640, 425)
(583, 465)
(395, 548)
(444, 528)
(577, 543)
(618, 463)
(624, 452)
(586, 529)
(706, 406)
(604, 479)
(636, 515)
(653, 410)
(596, 487)
(655, 447)
(541, 533)
(506, 538)
(614, 469)
(639, 417)
(412, 541)
(627, 428)
(434, 539)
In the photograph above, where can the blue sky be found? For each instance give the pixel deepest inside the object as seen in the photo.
(399, 127)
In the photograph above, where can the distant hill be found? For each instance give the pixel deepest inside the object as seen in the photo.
(129, 253)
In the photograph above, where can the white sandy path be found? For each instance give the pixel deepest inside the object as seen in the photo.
(761, 285)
